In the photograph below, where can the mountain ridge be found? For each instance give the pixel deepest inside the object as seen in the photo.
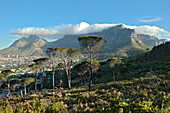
(120, 40)
(25, 47)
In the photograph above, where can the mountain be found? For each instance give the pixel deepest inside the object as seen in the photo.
(25, 47)
(121, 42)
(151, 41)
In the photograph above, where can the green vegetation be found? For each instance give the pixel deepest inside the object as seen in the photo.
(112, 63)
(138, 84)
(90, 44)
(144, 94)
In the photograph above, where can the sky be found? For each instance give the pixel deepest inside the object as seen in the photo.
(52, 19)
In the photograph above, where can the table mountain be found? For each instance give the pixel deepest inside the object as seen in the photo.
(121, 42)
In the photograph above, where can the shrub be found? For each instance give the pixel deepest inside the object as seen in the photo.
(6, 109)
(57, 107)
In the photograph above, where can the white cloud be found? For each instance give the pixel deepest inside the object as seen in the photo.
(84, 28)
(33, 30)
(150, 19)
(16, 36)
(150, 30)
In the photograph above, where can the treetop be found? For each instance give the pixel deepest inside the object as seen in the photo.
(60, 48)
(31, 65)
(91, 37)
(73, 50)
(113, 61)
(60, 65)
(40, 60)
(6, 71)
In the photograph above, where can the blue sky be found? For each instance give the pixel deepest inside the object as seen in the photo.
(15, 14)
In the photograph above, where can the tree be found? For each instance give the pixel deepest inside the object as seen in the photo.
(112, 63)
(51, 52)
(15, 83)
(90, 44)
(5, 74)
(40, 63)
(34, 68)
(67, 55)
(60, 67)
(27, 82)
(84, 67)
(81, 70)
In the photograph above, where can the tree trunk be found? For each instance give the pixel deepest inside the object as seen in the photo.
(81, 80)
(42, 80)
(53, 79)
(84, 80)
(69, 82)
(8, 88)
(61, 79)
(114, 79)
(91, 71)
(21, 93)
(69, 77)
(25, 90)
(41, 84)
(36, 82)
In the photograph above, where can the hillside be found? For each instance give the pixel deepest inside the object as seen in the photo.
(142, 86)
(26, 47)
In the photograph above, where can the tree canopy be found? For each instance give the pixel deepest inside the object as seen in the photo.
(40, 61)
(113, 61)
(5, 73)
(90, 43)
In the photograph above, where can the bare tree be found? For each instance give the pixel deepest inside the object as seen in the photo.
(27, 82)
(67, 55)
(51, 52)
(90, 44)
(84, 67)
(15, 83)
(112, 63)
(36, 69)
(40, 63)
(60, 67)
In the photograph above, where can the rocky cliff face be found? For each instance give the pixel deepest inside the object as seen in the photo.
(151, 41)
(120, 40)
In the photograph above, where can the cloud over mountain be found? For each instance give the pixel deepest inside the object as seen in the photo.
(84, 28)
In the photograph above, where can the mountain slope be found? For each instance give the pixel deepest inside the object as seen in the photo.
(25, 47)
(151, 41)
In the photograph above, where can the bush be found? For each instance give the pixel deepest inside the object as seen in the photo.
(57, 107)
(6, 109)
